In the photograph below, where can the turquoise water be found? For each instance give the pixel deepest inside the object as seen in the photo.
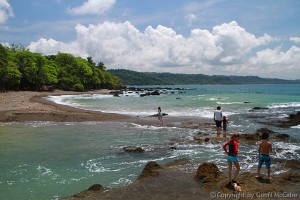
(49, 160)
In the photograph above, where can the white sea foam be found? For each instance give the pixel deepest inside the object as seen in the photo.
(229, 103)
(285, 105)
(44, 171)
(287, 149)
(37, 124)
(122, 181)
(298, 126)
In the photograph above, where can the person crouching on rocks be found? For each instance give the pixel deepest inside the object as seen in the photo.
(232, 152)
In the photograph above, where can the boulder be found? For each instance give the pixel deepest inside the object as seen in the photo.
(292, 120)
(282, 136)
(150, 170)
(133, 149)
(156, 92)
(207, 172)
(96, 187)
(259, 108)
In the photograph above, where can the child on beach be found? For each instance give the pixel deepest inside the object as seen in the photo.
(160, 115)
(264, 149)
(224, 123)
(232, 152)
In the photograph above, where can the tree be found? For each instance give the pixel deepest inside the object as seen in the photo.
(22, 69)
(3, 66)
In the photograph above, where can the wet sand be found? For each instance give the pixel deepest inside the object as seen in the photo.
(32, 106)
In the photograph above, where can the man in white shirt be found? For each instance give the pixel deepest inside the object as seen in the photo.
(218, 119)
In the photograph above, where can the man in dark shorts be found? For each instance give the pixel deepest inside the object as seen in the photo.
(218, 119)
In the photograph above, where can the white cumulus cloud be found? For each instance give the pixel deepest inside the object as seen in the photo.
(93, 7)
(228, 49)
(295, 39)
(6, 11)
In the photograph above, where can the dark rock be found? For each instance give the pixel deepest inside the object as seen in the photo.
(206, 139)
(173, 148)
(292, 120)
(156, 92)
(264, 130)
(96, 187)
(282, 136)
(145, 94)
(133, 149)
(207, 172)
(150, 170)
(295, 164)
(259, 108)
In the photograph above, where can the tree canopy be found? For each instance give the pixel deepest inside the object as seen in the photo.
(129, 77)
(21, 69)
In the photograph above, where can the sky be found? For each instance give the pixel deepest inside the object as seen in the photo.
(212, 37)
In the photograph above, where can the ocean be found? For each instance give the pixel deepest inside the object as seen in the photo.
(50, 160)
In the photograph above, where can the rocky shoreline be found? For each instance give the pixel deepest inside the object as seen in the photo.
(180, 179)
(170, 182)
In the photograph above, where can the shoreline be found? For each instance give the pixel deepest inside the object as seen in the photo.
(23, 106)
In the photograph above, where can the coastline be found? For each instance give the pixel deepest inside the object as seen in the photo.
(32, 106)
(173, 182)
(24, 106)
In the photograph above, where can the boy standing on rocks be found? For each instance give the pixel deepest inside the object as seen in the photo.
(264, 149)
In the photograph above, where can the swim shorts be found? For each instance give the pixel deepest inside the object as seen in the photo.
(232, 159)
(218, 123)
(264, 159)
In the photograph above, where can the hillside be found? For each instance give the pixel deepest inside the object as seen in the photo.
(152, 78)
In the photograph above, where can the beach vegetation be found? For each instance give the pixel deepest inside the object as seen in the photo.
(78, 87)
(21, 69)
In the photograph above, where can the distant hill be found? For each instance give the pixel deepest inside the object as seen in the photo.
(129, 77)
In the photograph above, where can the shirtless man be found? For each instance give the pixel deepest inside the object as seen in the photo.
(264, 149)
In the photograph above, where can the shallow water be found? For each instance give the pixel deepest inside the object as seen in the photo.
(48, 160)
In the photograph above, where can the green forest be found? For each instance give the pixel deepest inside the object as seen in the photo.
(21, 69)
(129, 77)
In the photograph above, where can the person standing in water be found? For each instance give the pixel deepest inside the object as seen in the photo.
(264, 149)
(232, 152)
(218, 120)
(160, 114)
(224, 124)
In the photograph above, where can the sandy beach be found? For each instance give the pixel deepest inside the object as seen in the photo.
(31, 106)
